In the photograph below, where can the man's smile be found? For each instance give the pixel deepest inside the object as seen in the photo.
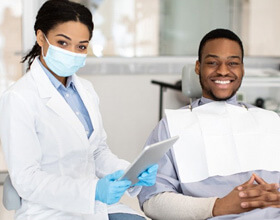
(222, 82)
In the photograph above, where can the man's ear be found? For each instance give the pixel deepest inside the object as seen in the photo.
(197, 67)
(40, 38)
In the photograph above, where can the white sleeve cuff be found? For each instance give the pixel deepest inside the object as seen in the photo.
(133, 191)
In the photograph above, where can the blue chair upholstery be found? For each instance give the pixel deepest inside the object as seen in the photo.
(11, 199)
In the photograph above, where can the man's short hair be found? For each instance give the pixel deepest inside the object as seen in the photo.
(219, 33)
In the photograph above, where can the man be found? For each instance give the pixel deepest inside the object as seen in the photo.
(225, 164)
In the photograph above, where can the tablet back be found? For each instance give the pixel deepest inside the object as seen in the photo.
(149, 156)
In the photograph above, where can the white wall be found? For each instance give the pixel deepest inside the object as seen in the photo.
(263, 32)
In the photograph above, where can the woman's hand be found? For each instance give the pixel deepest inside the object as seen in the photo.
(148, 177)
(109, 190)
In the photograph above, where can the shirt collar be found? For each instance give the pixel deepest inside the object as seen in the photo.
(231, 100)
(56, 83)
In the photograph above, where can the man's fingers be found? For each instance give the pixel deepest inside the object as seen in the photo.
(248, 182)
(270, 187)
(250, 193)
(257, 190)
(251, 180)
(259, 204)
(254, 204)
(272, 197)
(247, 187)
(259, 194)
(259, 180)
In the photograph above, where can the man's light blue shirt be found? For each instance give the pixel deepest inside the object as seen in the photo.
(72, 97)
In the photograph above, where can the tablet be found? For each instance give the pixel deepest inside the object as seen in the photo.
(149, 156)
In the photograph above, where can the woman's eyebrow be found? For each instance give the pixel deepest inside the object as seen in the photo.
(84, 41)
(62, 35)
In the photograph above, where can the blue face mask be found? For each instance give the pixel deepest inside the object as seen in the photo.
(63, 62)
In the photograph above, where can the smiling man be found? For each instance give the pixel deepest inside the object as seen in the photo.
(220, 67)
(226, 163)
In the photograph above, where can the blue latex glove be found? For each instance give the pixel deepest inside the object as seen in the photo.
(110, 191)
(148, 177)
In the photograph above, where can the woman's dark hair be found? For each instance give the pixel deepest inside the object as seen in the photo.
(53, 13)
(220, 33)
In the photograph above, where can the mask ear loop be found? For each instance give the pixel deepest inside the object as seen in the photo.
(46, 39)
(47, 42)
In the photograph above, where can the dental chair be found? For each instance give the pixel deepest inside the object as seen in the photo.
(190, 83)
(11, 199)
(190, 88)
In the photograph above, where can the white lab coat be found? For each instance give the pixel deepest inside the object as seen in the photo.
(53, 165)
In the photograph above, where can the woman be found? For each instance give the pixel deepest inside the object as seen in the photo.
(51, 128)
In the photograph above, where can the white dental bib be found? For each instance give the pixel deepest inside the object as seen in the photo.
(223, 139)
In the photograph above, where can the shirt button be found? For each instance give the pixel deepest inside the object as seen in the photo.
(77, 113)
(67, 95)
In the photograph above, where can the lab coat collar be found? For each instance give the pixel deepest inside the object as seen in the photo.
(56, 83)
(45, 87)
(56, 102)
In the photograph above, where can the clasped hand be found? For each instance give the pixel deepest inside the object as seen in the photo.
(255, 193)
(260, 195)
(109, 190)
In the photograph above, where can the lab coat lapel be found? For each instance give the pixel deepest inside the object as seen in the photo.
(55, 101)
(85, 96)
(61, 107)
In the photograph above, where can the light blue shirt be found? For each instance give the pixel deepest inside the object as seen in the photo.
(216, 186)
(72, 97)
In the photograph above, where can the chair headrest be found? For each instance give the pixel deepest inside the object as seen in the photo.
(190, 82)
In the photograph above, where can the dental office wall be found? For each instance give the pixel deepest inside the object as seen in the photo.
(128, 101)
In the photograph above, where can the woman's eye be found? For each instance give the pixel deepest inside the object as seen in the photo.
(62, 43)
(82, 47)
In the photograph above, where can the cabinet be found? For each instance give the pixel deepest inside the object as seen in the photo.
(264, 84)
(261, 78)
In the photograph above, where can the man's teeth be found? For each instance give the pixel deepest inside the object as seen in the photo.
(222, 82)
